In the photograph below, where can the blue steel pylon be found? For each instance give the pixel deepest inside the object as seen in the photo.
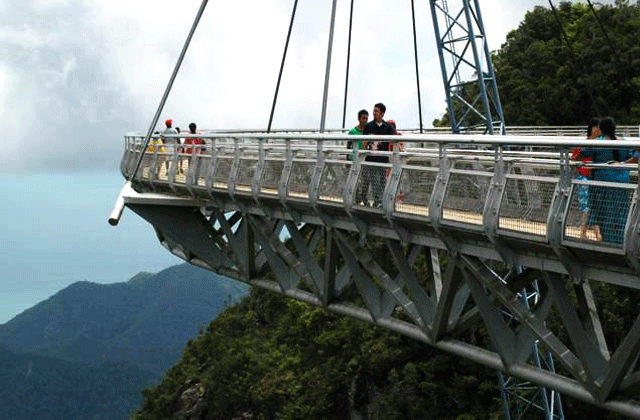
(467, 70)
(520, 398)
(473, 101)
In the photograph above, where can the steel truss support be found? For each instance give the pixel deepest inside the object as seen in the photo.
(467, 70)
(331, 267)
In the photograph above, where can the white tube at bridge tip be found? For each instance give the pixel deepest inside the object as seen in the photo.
(118, 208)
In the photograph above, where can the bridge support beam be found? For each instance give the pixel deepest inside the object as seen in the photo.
(328, 267)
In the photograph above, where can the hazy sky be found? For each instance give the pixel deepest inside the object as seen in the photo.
(75, 75)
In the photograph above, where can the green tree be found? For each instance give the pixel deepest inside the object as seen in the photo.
(545, 80)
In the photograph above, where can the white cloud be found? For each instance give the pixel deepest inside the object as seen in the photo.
(27, 37)
(43, 4)
(79, 69)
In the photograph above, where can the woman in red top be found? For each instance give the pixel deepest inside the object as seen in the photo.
(193, 140)
(593, 132)
(189, 150)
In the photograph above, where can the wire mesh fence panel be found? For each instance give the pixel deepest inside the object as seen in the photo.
(300, 178)
(246, 172)
(162, 165)
(525, 205)
(334, 180)
(370, 184)
(202, 169)
(541, 170)
(598, 212)
(130, 158)
(183, 167)
(147, 165)
(221, 172)
(431, 161)
(483, 164)
(465, 195)
(414, 191)
(633, 177)
(271, 174)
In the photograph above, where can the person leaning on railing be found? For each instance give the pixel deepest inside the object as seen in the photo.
(191, 141)
(609, 207)
(583, 174)
(353, 145)
(155, 142)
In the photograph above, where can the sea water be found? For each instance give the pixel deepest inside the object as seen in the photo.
(54, 232)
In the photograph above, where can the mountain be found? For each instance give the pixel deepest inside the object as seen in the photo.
(88, 351)
(42, 388)
(145, 321)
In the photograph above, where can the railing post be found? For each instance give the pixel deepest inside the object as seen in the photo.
(440, 188)
(153, 166)
(173, 165)
(352, 180)
(257, 176)
(556, 219)
(317, 175)
(233, 173)
(212, 166)
(632, 230)
(190, 175)
(391, 189)
(286, 173)
(493, 201)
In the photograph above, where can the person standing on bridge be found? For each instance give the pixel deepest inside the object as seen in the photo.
(609, 205)
(363, 118)
(192, 140)
(374, 177)
(169, 131)
(583, 174)
(171, 142)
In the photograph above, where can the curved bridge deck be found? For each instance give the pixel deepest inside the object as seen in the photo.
(469, 222)
(510, 199)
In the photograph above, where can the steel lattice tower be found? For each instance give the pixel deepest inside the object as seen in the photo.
(473, 100)
(467, 71)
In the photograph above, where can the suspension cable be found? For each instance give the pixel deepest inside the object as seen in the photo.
(169, 85)
(346, 82)
(573, 54)
(604, 32)
(415, 53)
(284, 56)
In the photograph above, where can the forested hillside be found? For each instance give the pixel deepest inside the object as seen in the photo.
(88, 351)
(144, 321)
(272, 357)
(42, 388)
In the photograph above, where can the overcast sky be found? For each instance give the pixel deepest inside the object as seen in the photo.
(75, 75)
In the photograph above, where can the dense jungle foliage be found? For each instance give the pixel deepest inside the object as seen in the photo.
(565, 70)
(271, 357)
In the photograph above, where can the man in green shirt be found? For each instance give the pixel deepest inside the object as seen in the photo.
(363, 118)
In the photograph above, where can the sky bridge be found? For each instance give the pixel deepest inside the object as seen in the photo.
(444, 235)
(488, 215)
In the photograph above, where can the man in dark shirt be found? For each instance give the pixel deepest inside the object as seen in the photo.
(374, 177)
